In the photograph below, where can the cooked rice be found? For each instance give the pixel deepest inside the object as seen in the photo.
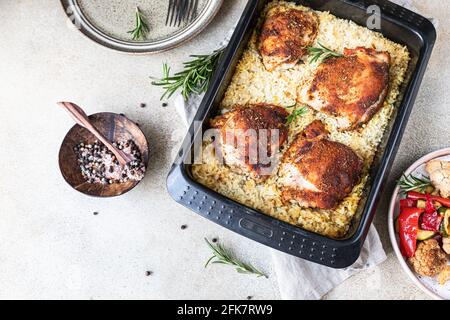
(251, 83)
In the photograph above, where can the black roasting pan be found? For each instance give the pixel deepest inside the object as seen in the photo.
(397, 24)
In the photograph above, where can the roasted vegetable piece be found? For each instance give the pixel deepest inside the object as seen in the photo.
(430, 221)
(446, 245)
(429, 259)
(408, 224)
(444, 276)
(429, 207)
(445, 225)
(439, 172)
(442, 230)
(442, 210)
(422, 196)
(421, 204)
(425, 235)
(407, 203)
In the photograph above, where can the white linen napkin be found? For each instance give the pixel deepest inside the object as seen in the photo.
(298, 278)
(303, 280)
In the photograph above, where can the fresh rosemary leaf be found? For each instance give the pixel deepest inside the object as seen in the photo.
(293, 117)
(410, 182)
(193, 79)
(222, 255)
(321, 53)
(141, 29)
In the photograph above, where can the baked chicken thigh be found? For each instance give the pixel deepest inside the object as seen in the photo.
(316, 172)
(285, 36)
(352, 87)
(250, 136)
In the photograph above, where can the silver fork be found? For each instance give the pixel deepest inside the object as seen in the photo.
(181, 11)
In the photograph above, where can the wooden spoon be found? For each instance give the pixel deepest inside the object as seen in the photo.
(82, 119)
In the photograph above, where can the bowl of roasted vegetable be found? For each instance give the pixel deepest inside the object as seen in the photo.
(419, 223)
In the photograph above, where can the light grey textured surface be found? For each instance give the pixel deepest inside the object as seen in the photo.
(52, 246)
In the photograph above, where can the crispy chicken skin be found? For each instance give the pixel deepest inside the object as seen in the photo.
(240, 148)
(317, 172)
(286, 35)
(352, 87)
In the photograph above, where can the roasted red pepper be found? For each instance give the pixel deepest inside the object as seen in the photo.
(429, 206)
(422, 196)
(408, 223)
(430, 221)
(407, 203)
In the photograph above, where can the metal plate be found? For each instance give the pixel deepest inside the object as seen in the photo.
(107, 23)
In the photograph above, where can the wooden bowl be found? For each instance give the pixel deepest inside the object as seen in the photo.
(114, 127)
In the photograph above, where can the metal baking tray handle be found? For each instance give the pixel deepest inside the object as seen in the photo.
(255, 227)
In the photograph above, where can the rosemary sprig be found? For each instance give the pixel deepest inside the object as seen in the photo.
(321, 53)
(292, 105)
(225, 256)
(195, 77)
(297, 113)
(141, 28)
(410, 182)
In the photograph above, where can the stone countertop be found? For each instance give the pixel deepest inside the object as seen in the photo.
(52, 246)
